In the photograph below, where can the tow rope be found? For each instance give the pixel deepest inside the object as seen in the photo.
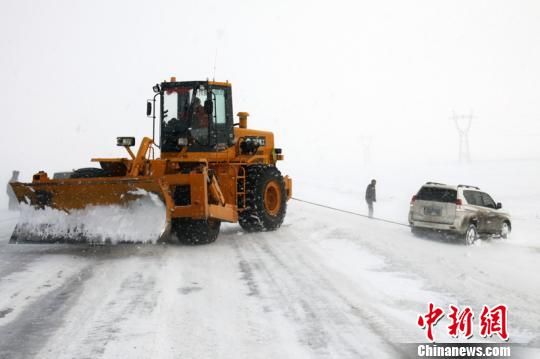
(350, 212)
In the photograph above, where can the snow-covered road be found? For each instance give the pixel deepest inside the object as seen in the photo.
(324, 285)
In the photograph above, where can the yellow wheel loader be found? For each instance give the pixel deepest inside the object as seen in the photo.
(210, 170)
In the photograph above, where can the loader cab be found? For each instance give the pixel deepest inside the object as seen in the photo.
(197, 114)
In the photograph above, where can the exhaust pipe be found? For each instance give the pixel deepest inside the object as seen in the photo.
(243, 119)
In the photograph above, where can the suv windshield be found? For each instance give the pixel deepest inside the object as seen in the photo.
(437, 194)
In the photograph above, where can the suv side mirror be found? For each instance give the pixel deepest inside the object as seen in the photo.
(208, 107)
(148, 108)
(499, 205)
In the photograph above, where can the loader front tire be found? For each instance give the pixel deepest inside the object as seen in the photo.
(266, 199)
(195, 232)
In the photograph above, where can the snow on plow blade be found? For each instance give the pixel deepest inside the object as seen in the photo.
(95, 210)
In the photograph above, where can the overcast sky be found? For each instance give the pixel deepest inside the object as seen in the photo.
(321, 75)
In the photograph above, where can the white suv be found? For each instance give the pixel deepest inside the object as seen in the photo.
(462, 210)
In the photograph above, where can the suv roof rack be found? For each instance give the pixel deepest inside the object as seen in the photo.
(465, 185)
(440, 184)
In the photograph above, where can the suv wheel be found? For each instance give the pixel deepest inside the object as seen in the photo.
(505, 230)
(471, 235)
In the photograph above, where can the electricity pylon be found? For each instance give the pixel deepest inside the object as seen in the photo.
(463, 132)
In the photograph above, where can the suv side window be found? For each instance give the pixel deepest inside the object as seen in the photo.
(473, 197)
(487, 201)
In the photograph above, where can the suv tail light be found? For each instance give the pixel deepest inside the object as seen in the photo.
(459, 202)
(413, 199)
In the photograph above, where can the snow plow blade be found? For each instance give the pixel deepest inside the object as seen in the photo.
(120, 209)
(53, 211)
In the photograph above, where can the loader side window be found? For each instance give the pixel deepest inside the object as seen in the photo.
(219, 96)
(223, 120)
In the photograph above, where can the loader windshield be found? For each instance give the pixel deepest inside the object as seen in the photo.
(175, 117)
(197, 115)
(199, 123)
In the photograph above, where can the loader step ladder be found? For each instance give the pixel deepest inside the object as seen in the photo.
(241, 188)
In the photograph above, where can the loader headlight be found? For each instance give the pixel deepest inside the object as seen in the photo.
(182, 141)
(125, 141)
(156, 88)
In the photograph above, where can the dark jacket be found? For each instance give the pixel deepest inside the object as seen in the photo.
(370, 193)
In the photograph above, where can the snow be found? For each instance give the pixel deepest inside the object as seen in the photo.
(142, 220)
(21, 289)
(325, 285)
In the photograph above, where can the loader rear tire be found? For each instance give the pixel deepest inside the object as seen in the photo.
(266, 199)
(195, 232)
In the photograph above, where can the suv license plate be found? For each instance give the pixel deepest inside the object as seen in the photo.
(432, 211)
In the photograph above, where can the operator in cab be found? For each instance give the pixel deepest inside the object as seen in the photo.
(199, 126)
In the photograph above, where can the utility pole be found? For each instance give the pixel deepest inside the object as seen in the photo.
(463, 125)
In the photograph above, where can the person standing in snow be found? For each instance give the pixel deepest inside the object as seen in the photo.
(371, 196)
(13, 204)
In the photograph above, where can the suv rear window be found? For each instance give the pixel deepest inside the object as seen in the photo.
(437, 194)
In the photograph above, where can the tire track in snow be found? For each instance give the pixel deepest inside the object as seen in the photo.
(324, 319)
(23, 337)
(369, 316)
(17, 260)
(119, 294)
(35, 280)
(135, 294)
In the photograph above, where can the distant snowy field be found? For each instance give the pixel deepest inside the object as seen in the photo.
(325, 285)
